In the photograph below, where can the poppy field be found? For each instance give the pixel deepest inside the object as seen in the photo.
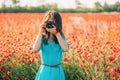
(94, 40)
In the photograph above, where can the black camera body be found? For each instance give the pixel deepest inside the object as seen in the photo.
(49, 24)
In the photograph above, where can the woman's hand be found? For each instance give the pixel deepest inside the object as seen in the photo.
(42, 28)
(52, 30)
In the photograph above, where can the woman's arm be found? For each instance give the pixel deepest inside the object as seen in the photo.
(62, 43)
(38, 40)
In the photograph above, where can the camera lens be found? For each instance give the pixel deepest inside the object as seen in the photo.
(49, 24)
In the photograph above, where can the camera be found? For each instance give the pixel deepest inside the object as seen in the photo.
(49, 24)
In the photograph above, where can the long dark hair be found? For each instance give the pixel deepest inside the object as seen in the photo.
(56, 18)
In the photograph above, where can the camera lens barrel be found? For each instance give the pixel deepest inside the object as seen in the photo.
(49, 24)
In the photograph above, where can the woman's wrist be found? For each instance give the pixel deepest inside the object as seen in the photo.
(40, 32)
(57, 33)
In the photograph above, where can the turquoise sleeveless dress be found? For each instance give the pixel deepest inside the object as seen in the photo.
(50, 54)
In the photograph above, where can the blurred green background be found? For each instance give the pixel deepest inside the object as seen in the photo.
(43, 6)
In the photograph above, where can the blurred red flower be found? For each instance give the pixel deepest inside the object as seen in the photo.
(111, 58)
(113, 75)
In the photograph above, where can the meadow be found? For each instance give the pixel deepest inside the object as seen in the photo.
(94, 40)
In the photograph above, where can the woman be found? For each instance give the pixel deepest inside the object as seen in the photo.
(50, 42)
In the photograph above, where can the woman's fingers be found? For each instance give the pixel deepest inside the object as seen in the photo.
(42, 25)
(54, 26)
(51, 30)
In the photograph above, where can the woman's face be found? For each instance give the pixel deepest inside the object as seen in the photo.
(54, 17)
